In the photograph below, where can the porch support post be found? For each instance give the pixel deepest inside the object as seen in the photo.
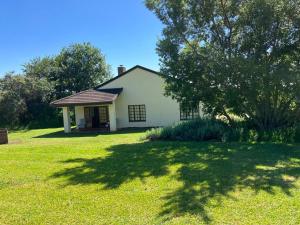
(67, 119)
(112, 117)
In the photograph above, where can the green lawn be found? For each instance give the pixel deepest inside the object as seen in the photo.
(47, 177)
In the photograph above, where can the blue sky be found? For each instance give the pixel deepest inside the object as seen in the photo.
(125, 31)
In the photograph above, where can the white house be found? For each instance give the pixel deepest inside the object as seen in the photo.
(134, 98)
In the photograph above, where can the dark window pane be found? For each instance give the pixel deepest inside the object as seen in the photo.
(188, 113)
(137, 113)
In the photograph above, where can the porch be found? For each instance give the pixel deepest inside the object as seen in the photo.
(94, 110)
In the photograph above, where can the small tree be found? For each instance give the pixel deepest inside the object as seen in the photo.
(240, 57)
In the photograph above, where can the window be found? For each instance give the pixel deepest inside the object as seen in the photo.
(137, 113)
(103, 112)
(189, 112)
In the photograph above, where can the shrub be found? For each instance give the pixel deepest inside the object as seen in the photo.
(196, 130)
(217, 130)
(153, 134)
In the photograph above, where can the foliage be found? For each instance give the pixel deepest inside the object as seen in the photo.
(12, 106)
(194, 130)
(47, 177)
(279, 135)
(239, 57)
(216, 130)
(80, 67)
(41, 68)
(77, 67)
(25, 100)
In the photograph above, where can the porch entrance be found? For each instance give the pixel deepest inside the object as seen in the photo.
(96, 117)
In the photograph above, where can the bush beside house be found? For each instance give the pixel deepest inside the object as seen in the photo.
(218, 130)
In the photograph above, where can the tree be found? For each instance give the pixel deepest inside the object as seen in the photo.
(235, 56)
(41, 68)
(12, 106)
(25, 100)
(80, 67)
(77, 67)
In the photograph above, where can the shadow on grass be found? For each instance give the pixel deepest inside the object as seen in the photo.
(62, 134)
(208, 171)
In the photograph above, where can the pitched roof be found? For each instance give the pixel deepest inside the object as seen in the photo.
(89, 97)
(97, 96)
(126, 72)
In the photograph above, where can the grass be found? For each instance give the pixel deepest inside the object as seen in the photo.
(47, 177)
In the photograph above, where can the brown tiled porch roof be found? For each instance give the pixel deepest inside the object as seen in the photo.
(89, 97)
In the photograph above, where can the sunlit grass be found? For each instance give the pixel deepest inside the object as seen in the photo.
(47, 177)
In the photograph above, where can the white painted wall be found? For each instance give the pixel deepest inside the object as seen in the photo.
(143, 87)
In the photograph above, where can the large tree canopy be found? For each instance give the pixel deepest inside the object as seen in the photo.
(81, 66)
(235, 56)
(41, 68)
(76, 68)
